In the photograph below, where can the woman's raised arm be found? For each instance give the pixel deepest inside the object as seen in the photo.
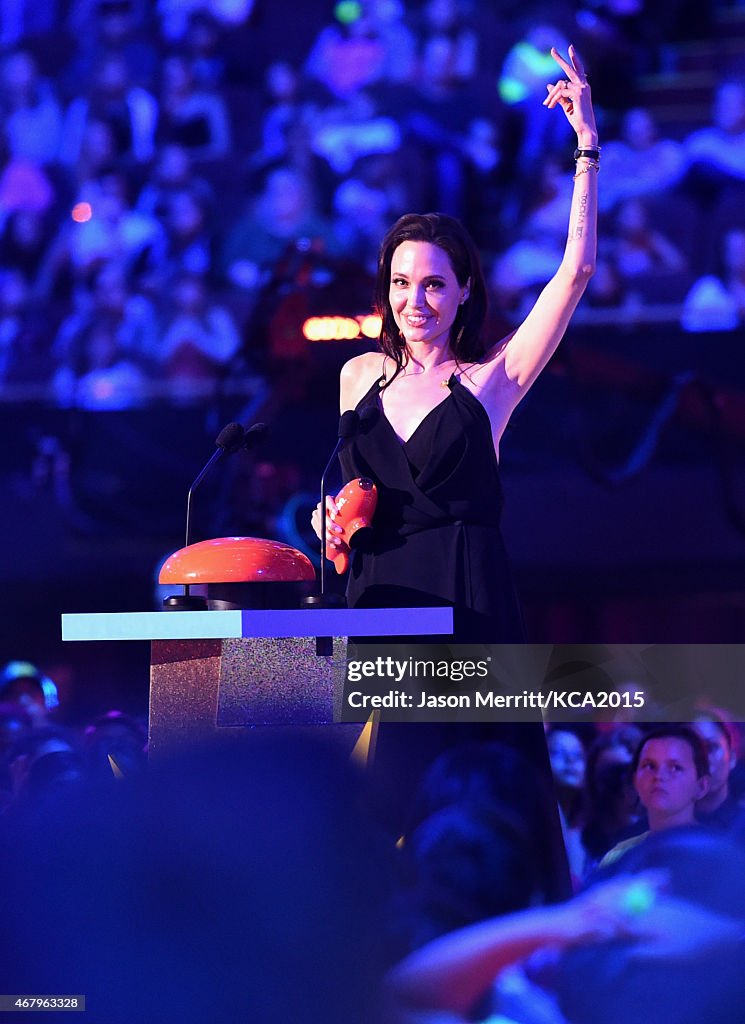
(536, 339)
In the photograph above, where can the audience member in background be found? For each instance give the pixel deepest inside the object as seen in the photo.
(612, 803)
(199, 340)
(447, 26)
(15, 723)
(718, 807)
(175, 15)
(191, 115)
(637, 248)
(520, 272)
(24, 239)
(350, 129)
(105, 376)
(25, 684)
(110, 301)
(202, 45)
(98, 155)
(546, 211)
(25, 18)
(189, 239)
(522, 85)
(391, 23)
(129, 110)
(717, 303)
(454, 865)
(111, 230)
(24, 759)
(349, 55)
(109, 26)
(285, 111)
(114, 747)
(24, 339)
(362, 215)
(282, 216)
(715, 156)
(447, 121)
(671, 774)
(32, 119)
(567, 756)
(639, 163)
(172, 173)
(25, 187)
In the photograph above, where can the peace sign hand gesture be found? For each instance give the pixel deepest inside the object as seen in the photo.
(573, 95)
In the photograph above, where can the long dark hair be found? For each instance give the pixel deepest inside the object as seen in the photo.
(466, 341)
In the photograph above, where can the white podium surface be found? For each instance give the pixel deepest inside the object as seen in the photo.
(238, 624)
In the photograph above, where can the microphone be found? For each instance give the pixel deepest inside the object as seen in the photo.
(230, 440)
(254, 436)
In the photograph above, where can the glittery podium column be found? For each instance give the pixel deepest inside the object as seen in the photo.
(201, 687)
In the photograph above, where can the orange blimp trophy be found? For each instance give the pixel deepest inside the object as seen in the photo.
(356, 503)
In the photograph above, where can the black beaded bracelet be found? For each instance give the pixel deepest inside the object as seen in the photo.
(591, 154)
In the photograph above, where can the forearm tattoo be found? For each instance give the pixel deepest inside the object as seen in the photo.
(579, 228)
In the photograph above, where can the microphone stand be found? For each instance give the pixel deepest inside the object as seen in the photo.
(349, 424)
(230, 439)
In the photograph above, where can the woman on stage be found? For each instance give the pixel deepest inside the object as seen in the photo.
(445, 396)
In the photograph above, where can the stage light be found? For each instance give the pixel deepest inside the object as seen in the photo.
(81, 212)
(347, 11)
(370, 325)
(341, 328)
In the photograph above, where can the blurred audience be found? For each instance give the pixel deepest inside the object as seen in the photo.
(191, 114)
(113, 97)
(281, 217)
(31, 112)
(637, 248)
(136, 137)
(715, 155)
(199, 340)
(639, 163)
(717, 303)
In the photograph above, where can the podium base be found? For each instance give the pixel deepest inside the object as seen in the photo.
(185, 603)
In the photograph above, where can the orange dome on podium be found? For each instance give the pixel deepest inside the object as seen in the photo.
(237, 560)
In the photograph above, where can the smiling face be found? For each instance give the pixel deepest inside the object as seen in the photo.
(424, 293)
(668, 783)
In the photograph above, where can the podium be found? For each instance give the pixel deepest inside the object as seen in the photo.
(220, 672)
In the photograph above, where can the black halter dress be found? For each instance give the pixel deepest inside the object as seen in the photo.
(435, 537)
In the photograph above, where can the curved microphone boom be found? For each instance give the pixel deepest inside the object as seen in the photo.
(230, 440)
(349, 426)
